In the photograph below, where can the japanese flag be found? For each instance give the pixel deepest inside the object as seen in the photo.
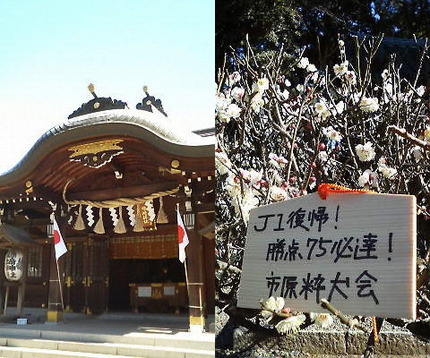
(182, 238)
(59, 245)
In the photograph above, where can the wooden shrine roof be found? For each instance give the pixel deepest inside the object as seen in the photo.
(110, 153)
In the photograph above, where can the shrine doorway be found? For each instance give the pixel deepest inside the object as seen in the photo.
(127, 275)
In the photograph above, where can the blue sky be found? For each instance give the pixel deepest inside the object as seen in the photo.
(51, 50)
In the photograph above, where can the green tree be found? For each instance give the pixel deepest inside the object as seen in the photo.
(267, 23)
(315, 24)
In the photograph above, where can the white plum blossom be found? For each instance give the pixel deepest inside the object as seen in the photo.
(324, 320)
(363, 179)
(386, 171)
(222, 162)
(274, 304)
(369, 104)
(311, 68)
(233, 185)
(341, 43)
(285, 94)
(287, 83)
(257, 102)
(291, 324)
(417, 153)
(233, 111)
(251, 176)
(368, 178)
(278, 194)
(332, 134)
(237, 93)
(351, 77)
(322, 109)
(261, 85)
(341, 69)
(249, 202)
(300, 87)
(221, 102)
(234, 78)
(323, 156)
(421, 90)
(221, 105)
(365, 152)
(340, 107)
(277, 161)
(325, 114)
(255, 176)
(303, 63)
(385, 74)
(278, 179)
(223, 117)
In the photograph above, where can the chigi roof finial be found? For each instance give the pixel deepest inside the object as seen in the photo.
(150, 101)
(98, 104)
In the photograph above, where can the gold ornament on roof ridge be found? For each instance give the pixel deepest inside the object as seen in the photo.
(96, 147)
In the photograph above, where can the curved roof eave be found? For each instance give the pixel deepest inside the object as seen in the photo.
(147, 126)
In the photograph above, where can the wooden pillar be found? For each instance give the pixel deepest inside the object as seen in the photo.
(194, 268)
(55, 306)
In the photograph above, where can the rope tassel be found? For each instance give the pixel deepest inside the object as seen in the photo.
(161, 216)
(138, 225)
(120, 226)
(99, 227)
(79, 223)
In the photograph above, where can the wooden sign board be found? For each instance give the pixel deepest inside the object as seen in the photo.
(358, 251)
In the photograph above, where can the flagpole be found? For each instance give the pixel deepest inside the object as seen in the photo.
(185, 261)
(60, 286)
(57, 257)
(188, 284)
(186, 277)
(185, 264)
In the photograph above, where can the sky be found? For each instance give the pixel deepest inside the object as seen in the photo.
(51, 50)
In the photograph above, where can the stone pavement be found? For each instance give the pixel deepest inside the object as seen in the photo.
(111, 334)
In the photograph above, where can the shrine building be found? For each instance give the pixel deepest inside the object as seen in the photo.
(112, 178)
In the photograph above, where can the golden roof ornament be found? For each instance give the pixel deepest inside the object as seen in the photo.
(91, 89)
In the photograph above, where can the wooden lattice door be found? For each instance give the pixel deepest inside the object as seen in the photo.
(98, 276)
(87, 277)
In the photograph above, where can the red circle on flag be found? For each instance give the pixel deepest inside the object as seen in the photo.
(181, 234)
(56, 237)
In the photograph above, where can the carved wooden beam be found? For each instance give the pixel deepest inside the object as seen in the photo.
(117, 192)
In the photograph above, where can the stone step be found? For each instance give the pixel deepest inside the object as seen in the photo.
(180, 340)
(20, 352)
(39, 348)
